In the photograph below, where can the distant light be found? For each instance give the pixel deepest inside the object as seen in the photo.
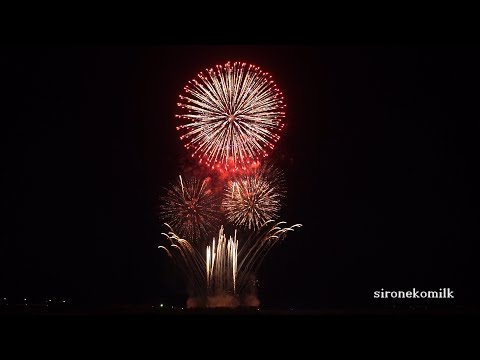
(4, 298)
(182, 308)
(63, 301)
(49, 300)
(24, 299)
(161, 305)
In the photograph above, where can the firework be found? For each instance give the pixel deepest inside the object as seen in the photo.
(221, 264)
(225, 269)
(256, 248)
(187, 257)
(232, 116)
(251, 200)
(191, 208)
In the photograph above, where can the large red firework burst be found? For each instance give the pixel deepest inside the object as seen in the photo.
(231, 116)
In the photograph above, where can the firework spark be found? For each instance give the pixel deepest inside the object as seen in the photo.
(256, 248)
(233, 115)
(191, 208)
(251, 200)
(222, 264)
(225, 269)
(188, 259)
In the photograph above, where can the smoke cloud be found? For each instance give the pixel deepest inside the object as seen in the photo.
(223, 301)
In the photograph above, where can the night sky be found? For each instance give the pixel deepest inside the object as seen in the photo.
(379, 151)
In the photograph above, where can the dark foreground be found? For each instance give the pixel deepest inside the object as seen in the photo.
(161, 325)
(154, 311)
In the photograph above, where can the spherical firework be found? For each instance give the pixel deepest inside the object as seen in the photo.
(232, 116)
(251, 200)
(191, 208)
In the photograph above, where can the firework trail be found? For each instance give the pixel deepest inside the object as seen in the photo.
(251, 200)
(191, 208)
(255, 249)
(226, 269)
(222, 264)
(232, 116)
(187, 258)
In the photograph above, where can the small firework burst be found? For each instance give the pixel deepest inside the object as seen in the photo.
(251, 200)
(191, 208)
